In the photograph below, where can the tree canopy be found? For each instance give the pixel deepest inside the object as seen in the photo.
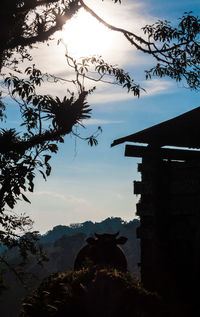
(23, 24)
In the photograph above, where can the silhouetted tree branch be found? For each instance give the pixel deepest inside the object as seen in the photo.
(24, 23)
(176, 49)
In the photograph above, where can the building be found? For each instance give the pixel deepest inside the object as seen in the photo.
(169, 205)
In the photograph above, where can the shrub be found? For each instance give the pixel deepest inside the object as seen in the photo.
(92, 292)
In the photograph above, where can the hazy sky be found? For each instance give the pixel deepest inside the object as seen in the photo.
(95, 183)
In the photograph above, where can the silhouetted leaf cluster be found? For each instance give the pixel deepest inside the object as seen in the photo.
(92, 292)
(179, 52)
(24, 23)
(104, 70)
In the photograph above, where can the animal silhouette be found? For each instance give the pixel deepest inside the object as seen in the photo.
(102, 252)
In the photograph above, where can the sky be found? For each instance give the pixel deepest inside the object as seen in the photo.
(95, 183)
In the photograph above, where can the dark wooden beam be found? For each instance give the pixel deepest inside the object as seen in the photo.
(165, 153)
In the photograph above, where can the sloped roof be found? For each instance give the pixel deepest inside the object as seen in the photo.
(181, 131)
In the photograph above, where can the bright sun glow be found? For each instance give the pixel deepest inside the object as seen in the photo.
(84, 36)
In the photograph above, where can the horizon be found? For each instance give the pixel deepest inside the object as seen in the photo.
(80, 225)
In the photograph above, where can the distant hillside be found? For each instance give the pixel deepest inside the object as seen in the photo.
(108, 225)
(61, 245)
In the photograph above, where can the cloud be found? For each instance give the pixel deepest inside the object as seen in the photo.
(64, 197)
(100, 121)
(157, 87)
(124, 15)
(115, 94)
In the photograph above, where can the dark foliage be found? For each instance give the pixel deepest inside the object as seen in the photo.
(61, 244)
(178, 54)
(92, 292)
(24, 23)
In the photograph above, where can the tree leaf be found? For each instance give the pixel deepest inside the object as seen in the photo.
(26, 199)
